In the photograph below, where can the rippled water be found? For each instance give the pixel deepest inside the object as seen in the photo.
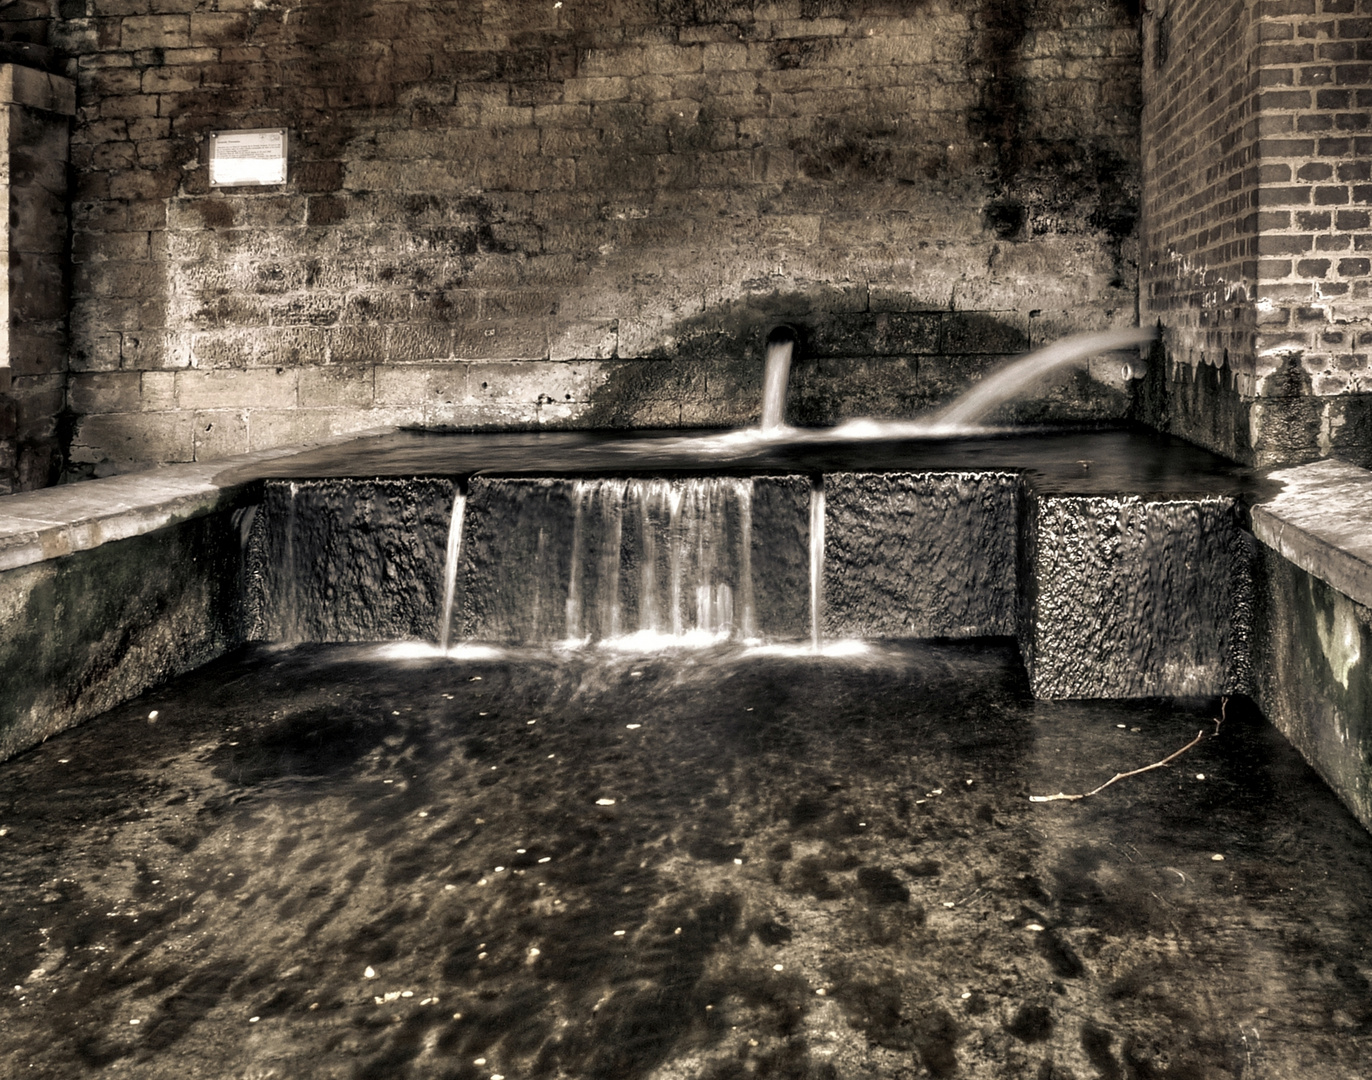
(325, 863)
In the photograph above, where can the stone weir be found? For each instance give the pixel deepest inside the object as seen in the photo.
(1123, 563)
(1122, 595)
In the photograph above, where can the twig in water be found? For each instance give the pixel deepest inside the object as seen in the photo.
(1060, 797)
(1224, 705)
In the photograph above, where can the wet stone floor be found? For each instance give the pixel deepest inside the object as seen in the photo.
(312, 863)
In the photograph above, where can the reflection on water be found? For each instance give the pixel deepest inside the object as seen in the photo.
(716, 864)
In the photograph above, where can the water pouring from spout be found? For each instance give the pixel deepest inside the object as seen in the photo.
(1016, 377)
(776, 377)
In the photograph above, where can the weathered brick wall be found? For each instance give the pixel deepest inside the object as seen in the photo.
(1257, 135)
(586, 213)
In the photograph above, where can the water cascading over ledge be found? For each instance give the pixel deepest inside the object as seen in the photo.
(693, 558)
(1127, 596)
(541, 561)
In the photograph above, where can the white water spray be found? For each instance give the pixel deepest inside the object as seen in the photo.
(816, 563)
(450, 568)
(776, 377)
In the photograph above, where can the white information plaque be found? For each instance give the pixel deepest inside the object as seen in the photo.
(255, 156)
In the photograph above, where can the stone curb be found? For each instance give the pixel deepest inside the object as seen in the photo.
(58, 521)
(1322, 522)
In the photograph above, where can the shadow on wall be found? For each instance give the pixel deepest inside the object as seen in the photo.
(848, 363)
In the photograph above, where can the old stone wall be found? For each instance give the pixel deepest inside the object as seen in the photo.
(35, 107)
(586, 213)
(1257, 135)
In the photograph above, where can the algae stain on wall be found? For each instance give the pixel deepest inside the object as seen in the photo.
(1340, 639)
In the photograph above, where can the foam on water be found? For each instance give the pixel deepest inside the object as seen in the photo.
(425, 650)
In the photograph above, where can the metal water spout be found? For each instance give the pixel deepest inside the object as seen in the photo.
(776, 375)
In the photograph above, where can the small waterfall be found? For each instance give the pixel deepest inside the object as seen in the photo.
(611, 498)
(573, 607)
(450, 567)
(661, 557)
(748, 614)
(290, 609)
(816, 562)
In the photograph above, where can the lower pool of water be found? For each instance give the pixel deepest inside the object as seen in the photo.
(319, 863)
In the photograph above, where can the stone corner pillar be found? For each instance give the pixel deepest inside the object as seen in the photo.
(35, 117)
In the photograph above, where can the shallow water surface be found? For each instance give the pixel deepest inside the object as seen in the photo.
(318, 863)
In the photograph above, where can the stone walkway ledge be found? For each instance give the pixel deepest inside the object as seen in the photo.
(1322, 522)
(57, 521)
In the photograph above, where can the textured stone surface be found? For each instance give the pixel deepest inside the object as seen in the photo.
(512, 215)
(920, 555)
(82, 633)
(1124, 597)
(1322, 522)
(348, 560)
(1314, 675)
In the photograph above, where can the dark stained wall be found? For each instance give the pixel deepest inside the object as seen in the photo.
(584, 214)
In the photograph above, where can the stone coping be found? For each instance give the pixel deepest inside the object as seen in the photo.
(57, 521)
(1322, 522)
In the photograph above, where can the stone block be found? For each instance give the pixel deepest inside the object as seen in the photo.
(408, 384)
(116, 442)
(985, 332)
(113, 621)
(37, 349)
(105, 392)
(271, 428)
(223, 349)
(38, 221)
(95, 352)
(1154, 597)
(533, 384)
(318, 546)
(157, 391)
(230, 388)
(407, 343)
(501, 341)
(37, 89)
(349, 344)
(292, 346)
(920, 555)
(1312, 675)
(584, 341)
(36, 289)
(220, 433)
(334, 386)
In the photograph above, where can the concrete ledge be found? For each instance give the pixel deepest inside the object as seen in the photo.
(54, 522)
(1322, 523)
